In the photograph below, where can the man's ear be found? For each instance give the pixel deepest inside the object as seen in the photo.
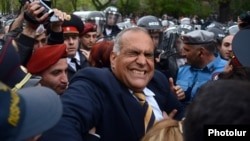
(201, 51)
(112, 59)
(198, 52)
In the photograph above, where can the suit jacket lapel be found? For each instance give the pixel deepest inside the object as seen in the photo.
(83, 60)
(135, 113)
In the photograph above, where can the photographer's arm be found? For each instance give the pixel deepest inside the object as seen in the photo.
(18, 22)
(26, 40)
(16, 27)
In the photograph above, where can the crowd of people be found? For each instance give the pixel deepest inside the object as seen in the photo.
(72, 79)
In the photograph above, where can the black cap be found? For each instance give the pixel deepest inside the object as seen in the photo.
(241, 48)
(73, 25)
(245, 17)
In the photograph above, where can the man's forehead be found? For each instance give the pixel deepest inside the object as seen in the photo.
(188, 47)
(91, 33)
(135, 46)
(134, 49)
(70, 35)
(43, 35)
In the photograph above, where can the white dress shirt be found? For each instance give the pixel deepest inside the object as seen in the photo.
(73, 65)
(151, 100)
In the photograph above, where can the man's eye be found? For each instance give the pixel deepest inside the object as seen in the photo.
(56, 72)
(227, 44)
(149, 55)
(133, 53)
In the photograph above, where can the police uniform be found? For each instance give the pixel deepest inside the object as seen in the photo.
(111, 30)
(75, 26)
(191, 78)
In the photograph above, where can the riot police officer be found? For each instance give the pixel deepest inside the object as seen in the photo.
(99, 19)
(162, 57)
(154, 27)
(112, 17)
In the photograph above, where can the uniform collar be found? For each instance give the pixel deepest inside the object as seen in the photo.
(210, 66)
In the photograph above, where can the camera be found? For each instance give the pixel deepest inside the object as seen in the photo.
(47, 9)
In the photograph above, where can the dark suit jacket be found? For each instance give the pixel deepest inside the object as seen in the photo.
(83, 63)
(96, 98)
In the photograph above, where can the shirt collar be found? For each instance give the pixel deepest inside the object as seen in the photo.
(146, 91)
(77, 56)
(211, 66)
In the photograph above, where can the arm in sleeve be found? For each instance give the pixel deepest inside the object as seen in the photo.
(81, 111)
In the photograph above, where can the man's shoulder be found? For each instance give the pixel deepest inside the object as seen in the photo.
(94, 71)
(158, 77)
(97, 75)
(184, 68)
(220, 63)
(219, 60)
(158, 73)
(223, 61)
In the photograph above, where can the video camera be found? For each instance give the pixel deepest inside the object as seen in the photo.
(47, 9)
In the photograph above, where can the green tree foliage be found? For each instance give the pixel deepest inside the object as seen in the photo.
(237, 6)
(203, 8)
(128, 7)
(101, 5)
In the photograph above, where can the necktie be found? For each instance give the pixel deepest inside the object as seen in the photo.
(73, 60)
(149, 118)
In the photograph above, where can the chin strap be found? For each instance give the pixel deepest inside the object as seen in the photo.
(20, 84)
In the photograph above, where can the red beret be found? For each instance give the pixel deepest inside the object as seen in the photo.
(45, 57)
(89, 27)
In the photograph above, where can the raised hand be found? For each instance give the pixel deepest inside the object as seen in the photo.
(177, 90)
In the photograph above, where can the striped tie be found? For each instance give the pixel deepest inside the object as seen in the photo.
(149, 118)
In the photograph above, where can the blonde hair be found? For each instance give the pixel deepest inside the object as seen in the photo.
(164, 130)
